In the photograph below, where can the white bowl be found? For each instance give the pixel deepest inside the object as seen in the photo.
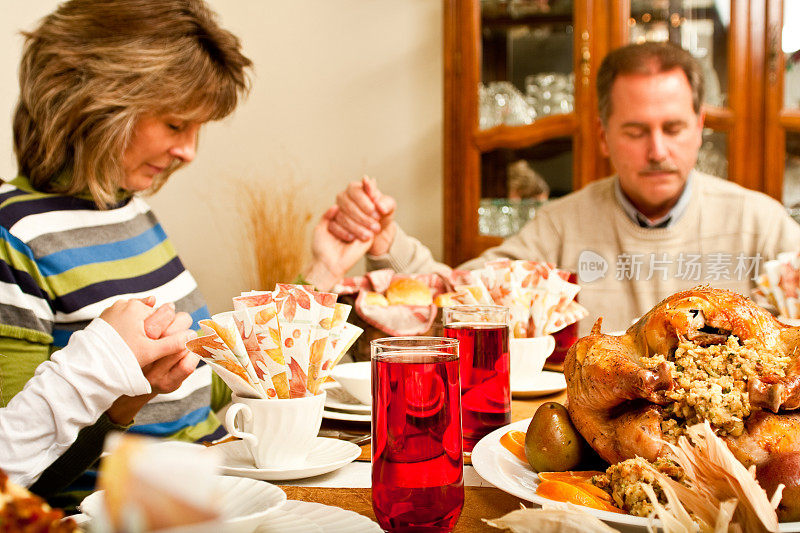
(245, 503)
(356, 379)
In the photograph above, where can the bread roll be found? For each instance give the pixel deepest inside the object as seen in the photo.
(408, 291)
(375, 298)
(445, 299)
(127, 490)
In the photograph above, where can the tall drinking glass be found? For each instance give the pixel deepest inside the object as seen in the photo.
(482, 332)
(417, 461)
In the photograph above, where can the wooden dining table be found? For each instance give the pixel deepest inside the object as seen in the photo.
(349, 489)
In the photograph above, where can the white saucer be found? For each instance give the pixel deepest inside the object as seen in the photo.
(545, 382)
(326, 456)
(340, 399)
(309, 517)
(344, 415)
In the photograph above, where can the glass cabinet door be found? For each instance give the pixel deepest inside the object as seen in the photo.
(790, 120)
(790, 48)
(699, 26)
(526, 86)
(526, 61)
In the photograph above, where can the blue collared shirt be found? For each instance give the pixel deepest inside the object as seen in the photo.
(664, 222)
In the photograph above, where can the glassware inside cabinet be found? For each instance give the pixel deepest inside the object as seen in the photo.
(699, 26)
(526, 61)
(515, 183)
(713, 156)
(503, 217)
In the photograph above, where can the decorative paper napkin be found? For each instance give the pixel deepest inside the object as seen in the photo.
(540, 299)
(777, 286)
(279, 344)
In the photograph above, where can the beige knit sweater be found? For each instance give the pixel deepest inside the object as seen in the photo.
(722, 239)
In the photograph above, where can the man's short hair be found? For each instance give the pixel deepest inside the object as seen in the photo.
(647, 58)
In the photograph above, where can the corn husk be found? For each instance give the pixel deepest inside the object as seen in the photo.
(569, 519)
(724, 493)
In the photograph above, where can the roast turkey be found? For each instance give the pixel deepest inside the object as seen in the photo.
(700, 354)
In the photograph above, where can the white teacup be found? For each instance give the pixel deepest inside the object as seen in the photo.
(279, 433)
(528, 355)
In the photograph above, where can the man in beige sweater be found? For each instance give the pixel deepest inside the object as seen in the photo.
(655, 228)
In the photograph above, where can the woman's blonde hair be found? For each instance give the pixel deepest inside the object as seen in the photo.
(92, 68)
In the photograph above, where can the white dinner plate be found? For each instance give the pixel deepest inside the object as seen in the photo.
(245, 504)
(281, 521)
(343, 415)
(505, 471)
(541, 384)
(326, 456)
(339, 399)
(309, 517)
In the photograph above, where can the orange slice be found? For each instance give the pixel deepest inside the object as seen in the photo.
(514, 441)
(565, 492)
(580, 479)
(569, 476)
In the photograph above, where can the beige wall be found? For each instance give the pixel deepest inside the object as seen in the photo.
(341, 88)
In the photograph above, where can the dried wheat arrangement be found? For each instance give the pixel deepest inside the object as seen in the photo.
(276, 241)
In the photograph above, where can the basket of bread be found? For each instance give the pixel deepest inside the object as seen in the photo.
(386, 303)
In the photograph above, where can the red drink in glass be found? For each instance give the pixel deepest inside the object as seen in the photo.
(565, 337)
(484, 364)
(417, 463)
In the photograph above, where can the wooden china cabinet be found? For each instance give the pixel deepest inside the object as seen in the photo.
(519, 87)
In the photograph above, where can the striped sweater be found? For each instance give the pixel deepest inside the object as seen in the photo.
(62, 262)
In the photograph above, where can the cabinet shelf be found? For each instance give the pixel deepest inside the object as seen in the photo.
(521, 136)
(790, 118)
(504, 22)
(719, 118)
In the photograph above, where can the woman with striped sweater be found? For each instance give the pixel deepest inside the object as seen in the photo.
(113, 94)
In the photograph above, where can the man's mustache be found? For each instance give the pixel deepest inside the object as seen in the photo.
(658, 167)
